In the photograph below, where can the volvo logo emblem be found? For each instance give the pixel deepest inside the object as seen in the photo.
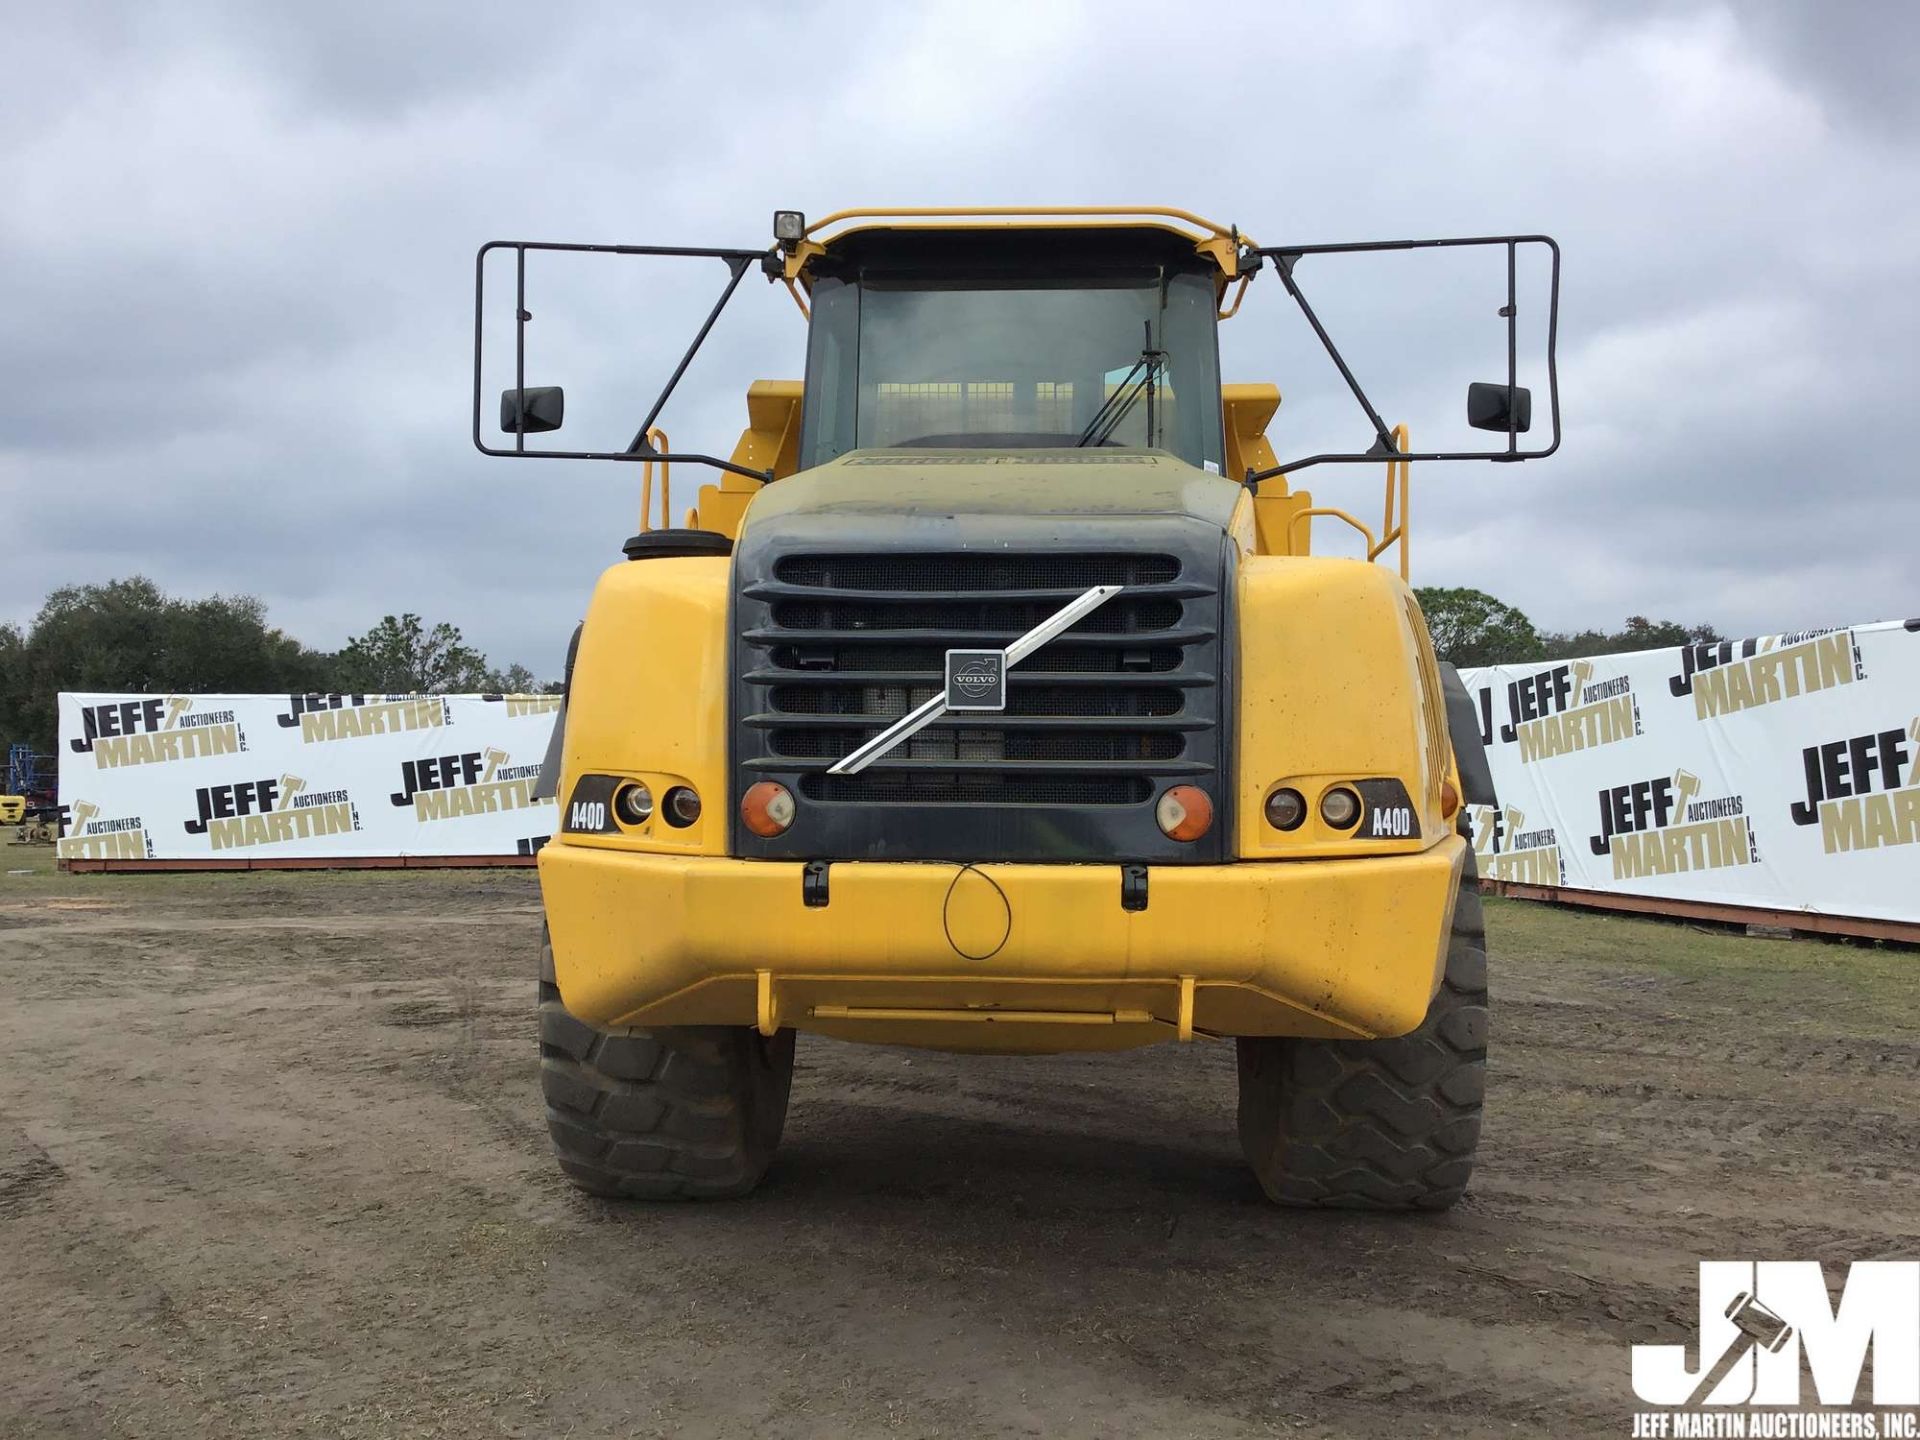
(976, 680)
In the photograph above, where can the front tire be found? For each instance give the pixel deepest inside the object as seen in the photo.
(686, 1112)
(1377, 1124)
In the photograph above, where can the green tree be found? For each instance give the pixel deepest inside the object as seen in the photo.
(1639, 633)
(514, 680)
(401, 656)
(1470, 627)
(126, 635)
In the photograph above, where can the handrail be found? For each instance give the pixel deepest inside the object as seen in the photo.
(1238, 295)
(1223, 243)
(656, 441)
(1398, 474)
(1397, 470)
(977, 212)
(1337, 514)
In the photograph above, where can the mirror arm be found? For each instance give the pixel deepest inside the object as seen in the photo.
(1283, 263)
(737, 267)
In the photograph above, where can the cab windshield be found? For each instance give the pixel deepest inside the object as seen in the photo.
(1117, 359)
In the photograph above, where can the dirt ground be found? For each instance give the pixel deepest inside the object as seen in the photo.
(272, 1163)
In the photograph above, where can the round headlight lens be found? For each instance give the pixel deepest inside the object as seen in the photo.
(683, 806)
(1340, 808)
(1286, 809)
(633, 804)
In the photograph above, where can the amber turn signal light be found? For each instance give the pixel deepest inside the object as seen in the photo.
(1185, 812)
(767, 809)
(1449, 800)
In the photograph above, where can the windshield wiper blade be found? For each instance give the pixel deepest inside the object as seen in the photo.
(1125, 396)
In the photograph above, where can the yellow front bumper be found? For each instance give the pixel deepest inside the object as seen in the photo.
(1335, 948)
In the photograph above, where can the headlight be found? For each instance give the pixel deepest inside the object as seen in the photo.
(633, 804)
(1286, 809)
(683, 807)
(1340, 808)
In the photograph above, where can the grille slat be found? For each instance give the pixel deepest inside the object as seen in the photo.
(1013, 618)
(938, 787)
(970, 574)
(1031, 703)
(940, 742)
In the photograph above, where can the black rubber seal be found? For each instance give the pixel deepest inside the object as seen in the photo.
(671, 544)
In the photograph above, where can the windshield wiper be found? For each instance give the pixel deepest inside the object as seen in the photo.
(1126, 395)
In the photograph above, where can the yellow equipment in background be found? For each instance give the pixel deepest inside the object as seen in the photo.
(993, 699)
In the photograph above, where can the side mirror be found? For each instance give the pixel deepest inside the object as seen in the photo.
(1489, 407)
(532, 410)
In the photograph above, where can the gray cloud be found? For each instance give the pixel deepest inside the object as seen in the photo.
(239, 243)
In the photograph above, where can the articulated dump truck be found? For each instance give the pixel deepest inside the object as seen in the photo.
(991, 699)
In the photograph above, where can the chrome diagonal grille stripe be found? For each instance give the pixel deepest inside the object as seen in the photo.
(1051, 628)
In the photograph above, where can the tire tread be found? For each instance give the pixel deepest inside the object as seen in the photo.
(1377, 1124)
(674, 1113)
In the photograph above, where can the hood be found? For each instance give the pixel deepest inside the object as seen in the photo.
(943, 498)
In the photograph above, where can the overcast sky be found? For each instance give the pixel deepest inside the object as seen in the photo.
(237, 240)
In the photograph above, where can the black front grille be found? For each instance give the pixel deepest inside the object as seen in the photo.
(833, 648)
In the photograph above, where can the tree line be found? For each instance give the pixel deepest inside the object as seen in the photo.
(126, 635)
(1470, 627)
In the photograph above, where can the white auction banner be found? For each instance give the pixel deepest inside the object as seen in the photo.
(1778, 772)
(272, 777)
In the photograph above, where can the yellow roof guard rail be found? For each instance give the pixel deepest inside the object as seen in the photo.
(1221, 243)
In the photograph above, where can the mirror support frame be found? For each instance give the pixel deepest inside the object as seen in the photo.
(737, 261)
(1285, 257)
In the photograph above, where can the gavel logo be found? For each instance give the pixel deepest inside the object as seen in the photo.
(1686, 785)
(1582, 673)
(495, 759)
(290, 786)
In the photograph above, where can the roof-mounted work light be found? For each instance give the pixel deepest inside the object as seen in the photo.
(789, 228)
